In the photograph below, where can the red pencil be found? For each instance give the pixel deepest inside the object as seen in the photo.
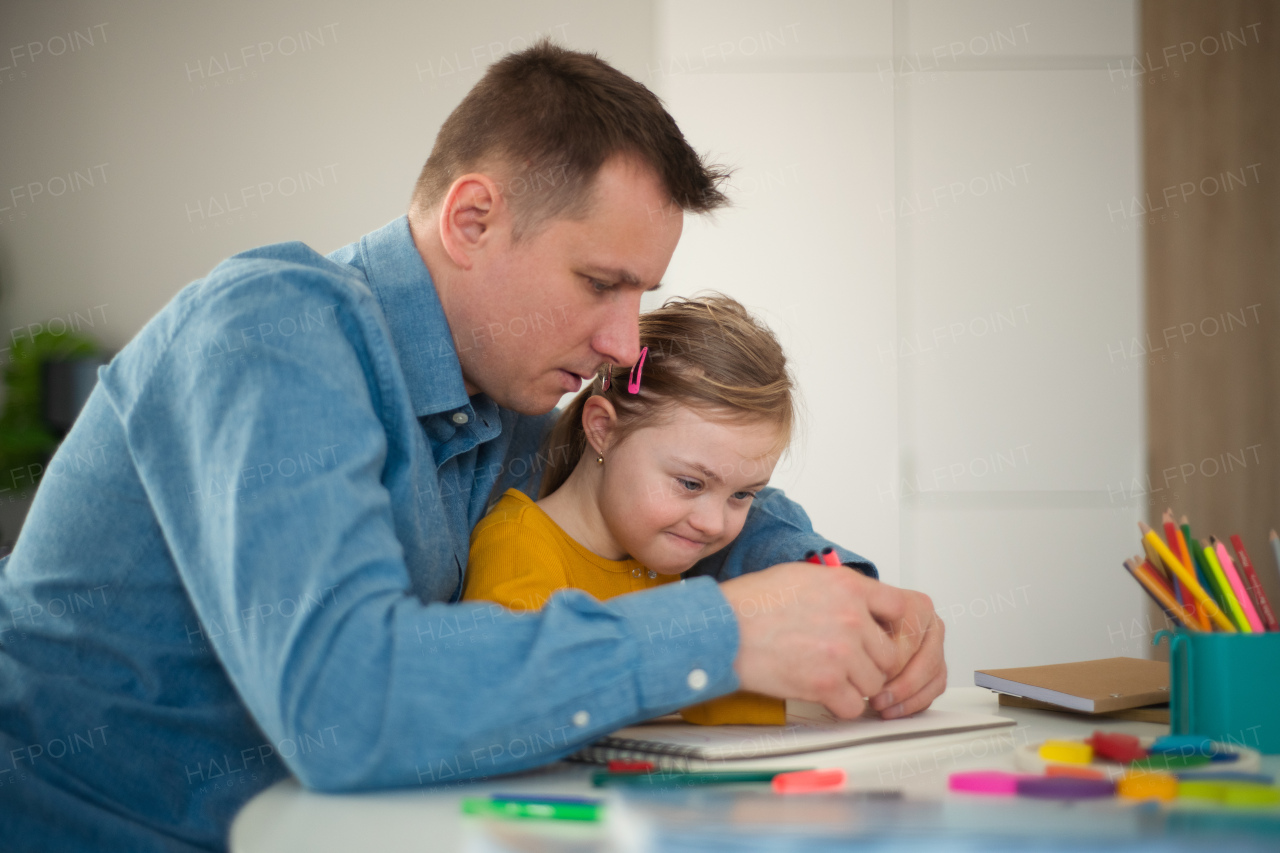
(1253, 584)
(1156, 576)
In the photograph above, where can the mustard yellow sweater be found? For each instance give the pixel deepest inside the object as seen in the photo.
(520, 557)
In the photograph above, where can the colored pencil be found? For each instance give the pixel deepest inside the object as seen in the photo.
(1237, 586)
(1275, 549)
(1233, 604)
(1185, 527)
(1156, 576)
(1160, 594)
(1254, 584)
(1184, 554)
(1188, 579)
(1220, 589)
(1174, 583)
(1171, 539)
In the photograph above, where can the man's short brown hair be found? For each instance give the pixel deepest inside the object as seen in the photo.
(549, 118)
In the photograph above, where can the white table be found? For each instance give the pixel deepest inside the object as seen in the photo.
(286, 817)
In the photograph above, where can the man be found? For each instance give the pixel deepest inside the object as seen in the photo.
(243, 561)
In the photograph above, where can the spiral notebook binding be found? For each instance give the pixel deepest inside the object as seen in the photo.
(665, 756)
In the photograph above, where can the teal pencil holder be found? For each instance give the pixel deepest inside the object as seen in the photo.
(1225, 687)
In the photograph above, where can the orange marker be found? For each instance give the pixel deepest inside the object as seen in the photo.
(1188, 579)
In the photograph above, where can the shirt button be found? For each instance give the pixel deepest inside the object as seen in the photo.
(460, 418)
(581, 719)
(697, 679)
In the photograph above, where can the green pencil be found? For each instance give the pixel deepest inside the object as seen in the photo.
(660, 779)
(532, 808)
(1213, 584)
(1202, 570)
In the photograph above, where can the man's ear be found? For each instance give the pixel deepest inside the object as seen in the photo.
(471, 214)
(599, 418)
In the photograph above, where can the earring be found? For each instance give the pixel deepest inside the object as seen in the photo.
(599, 458)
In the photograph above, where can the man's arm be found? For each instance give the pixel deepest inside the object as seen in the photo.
(777, 530)
(286, 454)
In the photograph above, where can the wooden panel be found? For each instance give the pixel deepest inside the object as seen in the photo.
(1211, 113)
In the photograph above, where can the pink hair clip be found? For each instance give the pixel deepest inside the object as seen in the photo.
(633, 381)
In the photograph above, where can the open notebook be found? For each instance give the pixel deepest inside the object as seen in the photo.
(674, 745)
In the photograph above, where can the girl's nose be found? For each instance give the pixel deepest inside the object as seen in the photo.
(707, 520)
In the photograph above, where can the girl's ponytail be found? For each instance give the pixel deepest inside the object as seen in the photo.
(565, 444)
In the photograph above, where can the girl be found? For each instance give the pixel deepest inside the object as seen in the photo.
(651, 472)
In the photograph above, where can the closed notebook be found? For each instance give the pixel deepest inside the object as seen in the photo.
(1144, 714)
(1091, 686)
(671, 744)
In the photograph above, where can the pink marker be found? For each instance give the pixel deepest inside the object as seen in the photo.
(993, 783)
(1242, 595)
(809, 781)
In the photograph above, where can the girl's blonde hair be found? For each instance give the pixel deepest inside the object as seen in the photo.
(705, 352)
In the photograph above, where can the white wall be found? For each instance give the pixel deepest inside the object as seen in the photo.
(928, 231)
(335, 132)
(861, 132)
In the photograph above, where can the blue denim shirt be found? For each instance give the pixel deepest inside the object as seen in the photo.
(243, 562)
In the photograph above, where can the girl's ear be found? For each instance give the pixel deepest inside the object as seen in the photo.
(598, 420)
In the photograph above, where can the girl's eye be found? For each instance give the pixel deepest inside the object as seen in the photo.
(743, 496)
(690, 485)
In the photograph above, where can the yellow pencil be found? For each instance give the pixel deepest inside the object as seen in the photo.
(1188, 579)
(1154, 559)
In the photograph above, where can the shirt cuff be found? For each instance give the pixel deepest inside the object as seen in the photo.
(686, 636)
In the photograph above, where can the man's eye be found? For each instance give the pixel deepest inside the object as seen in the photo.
(599, 286)
(690, 485)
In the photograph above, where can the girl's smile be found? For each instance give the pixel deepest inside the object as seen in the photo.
(667, 494)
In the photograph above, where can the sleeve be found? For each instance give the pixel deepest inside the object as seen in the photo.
(266, 477)
(513, 565)
(777, 530)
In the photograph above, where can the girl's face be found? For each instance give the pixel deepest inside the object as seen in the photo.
(674, 493)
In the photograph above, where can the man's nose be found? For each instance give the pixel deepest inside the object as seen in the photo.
(618, 339)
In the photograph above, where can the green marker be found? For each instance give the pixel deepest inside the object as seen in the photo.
(1168, 763)
(563, 809)
(660, 779)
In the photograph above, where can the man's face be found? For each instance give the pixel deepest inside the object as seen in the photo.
(542, 314)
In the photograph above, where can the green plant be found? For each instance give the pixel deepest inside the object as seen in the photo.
(24, 438)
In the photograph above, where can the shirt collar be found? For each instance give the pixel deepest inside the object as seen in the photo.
(415, 317)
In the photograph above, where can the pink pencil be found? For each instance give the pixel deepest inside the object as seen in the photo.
(1242, 595)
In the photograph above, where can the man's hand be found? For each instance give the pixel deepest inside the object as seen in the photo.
(830, 635)
(923, 675)
(811, 632)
